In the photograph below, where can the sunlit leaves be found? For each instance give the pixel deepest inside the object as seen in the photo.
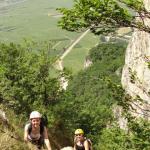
(25, 77)
(103, 16)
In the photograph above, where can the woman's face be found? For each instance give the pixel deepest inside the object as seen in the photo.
(36, 122)
(79, 136)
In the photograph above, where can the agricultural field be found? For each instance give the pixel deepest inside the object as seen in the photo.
(34, 19)
(37, 20)
(76, 58)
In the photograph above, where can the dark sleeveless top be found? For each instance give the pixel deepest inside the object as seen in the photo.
(80, 147)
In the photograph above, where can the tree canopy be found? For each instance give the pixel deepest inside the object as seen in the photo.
(88, 100)
(25, 78)
(104, 16)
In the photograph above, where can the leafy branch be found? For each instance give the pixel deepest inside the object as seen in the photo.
(104, 16)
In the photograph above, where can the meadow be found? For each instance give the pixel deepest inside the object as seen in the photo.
(37, 20)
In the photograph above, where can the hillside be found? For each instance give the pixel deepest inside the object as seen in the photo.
(36, 21)
(108, 98)
(59, 122)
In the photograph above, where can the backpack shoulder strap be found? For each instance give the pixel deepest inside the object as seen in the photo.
(41, 128)
(29, 127)
(90, 143)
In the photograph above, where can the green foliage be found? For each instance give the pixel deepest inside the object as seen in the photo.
(26, 85)
(103, 16)
(88, 100)
(114, 138)
(136, 5)
(11, 134)
(25, 81)
(141, 133)
(137, 138)
(148, 64)
(103, 52)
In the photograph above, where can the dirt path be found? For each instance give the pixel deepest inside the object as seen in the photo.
(60, 61)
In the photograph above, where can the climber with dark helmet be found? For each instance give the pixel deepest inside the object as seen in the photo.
(80, 141)
(35, 134)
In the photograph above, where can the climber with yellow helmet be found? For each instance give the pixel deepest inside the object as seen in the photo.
(80, 141)
(35, 133)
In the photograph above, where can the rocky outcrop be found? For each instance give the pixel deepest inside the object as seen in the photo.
(121, 120)
(3, 118)
(136, 71)
(87, 62)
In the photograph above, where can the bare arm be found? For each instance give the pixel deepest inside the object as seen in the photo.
(74, 148)
(86, 145)
(26, 133)
(46, 140)
(75, 142)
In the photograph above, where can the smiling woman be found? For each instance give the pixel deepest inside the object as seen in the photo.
(35, 132)
(80, 141)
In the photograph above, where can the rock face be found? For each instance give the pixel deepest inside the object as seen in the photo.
(87, 62)
(136, 71)
(3, 118)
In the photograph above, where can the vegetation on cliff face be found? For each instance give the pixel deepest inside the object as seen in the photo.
(88, 101)
(105, 16)
(92, 96)
(26, 83)
(11, 130)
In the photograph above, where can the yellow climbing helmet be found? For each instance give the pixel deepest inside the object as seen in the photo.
(79, 131)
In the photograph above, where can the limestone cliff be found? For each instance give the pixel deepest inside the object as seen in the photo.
(136, 71)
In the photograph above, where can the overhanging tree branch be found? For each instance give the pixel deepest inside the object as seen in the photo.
(101, 15)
